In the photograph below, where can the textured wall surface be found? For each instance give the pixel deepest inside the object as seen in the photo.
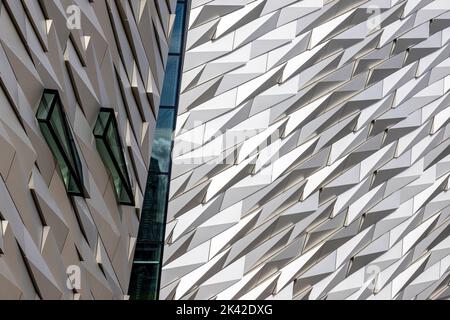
(115, 59)
(312, 152)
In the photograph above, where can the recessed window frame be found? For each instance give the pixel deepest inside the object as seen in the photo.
(102, 137)
(45, 121)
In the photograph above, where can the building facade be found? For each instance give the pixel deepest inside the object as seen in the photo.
(80, 90)
(311, 156)
(224, 149)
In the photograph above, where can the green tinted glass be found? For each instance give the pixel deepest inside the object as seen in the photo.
(144, 281)
(56, 131)
(107, 138)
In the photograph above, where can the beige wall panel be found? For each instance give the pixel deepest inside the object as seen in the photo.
(110, 61)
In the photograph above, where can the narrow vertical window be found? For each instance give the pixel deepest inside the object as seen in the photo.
(107, 138)
(145, 276)
(56, 131)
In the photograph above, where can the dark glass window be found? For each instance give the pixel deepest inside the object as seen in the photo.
(109, 146)
(145, 277)
(176, 43)
(162, 144)
(148, 252)
(56, 131)
(144, 280)
(170, 88)
(154, 209)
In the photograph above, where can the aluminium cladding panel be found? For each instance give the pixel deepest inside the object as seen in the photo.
(96, 54)
(311, 156)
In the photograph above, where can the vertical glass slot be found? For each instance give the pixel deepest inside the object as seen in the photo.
(145, 279)
(170, 87)
(162, 145)
(176, 43)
